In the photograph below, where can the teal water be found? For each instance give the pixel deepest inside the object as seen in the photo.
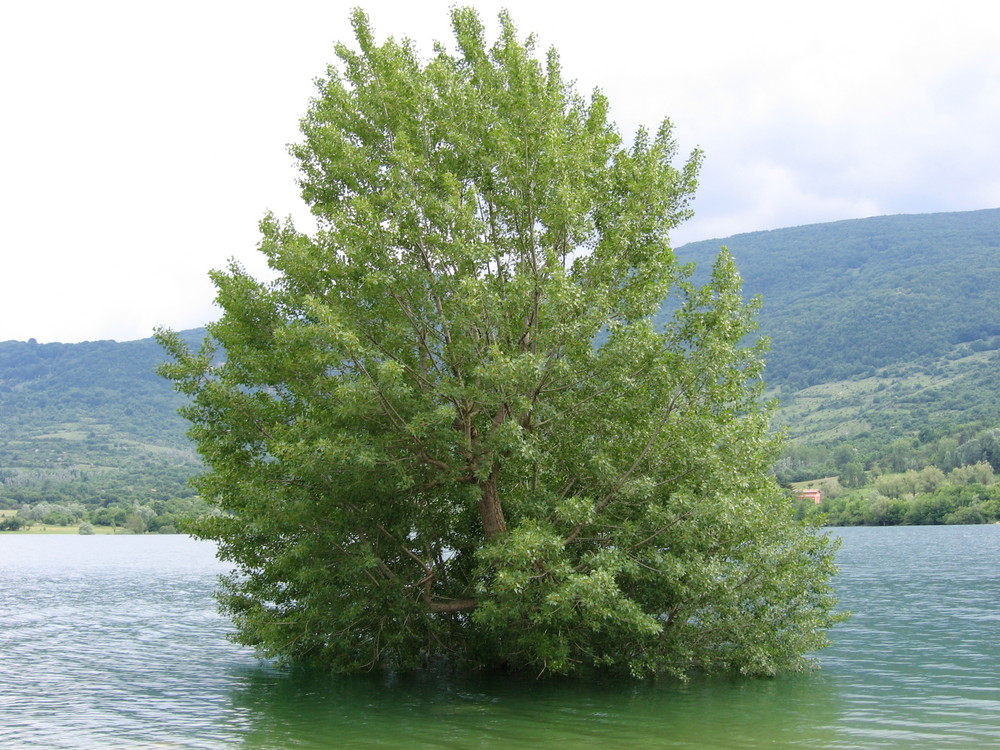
(114, 642)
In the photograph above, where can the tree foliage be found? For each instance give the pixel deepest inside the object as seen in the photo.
(449, 427)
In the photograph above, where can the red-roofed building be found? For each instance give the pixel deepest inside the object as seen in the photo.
(815, 495)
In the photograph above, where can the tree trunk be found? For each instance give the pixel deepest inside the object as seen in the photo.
(452, 606)
(490, 510)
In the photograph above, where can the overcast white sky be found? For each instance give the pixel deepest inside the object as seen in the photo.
(141, 142)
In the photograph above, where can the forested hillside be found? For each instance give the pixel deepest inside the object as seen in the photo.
(885, 358)
(106, 384)
(885, 340)
(845, 298)
(92, 426)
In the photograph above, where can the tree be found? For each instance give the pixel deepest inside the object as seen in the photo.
(14, 523)
(853, 474)
(929, 479)
(450, 426)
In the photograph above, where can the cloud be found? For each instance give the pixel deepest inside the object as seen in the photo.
(142, 143)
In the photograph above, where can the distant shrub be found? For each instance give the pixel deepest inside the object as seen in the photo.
(966, 515)
(13, 523)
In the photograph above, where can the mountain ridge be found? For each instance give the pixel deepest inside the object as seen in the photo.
(882, 328)
(894, 276)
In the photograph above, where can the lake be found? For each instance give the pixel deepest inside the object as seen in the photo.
(114, 642)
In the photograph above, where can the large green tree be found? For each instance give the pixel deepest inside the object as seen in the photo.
(449, 426)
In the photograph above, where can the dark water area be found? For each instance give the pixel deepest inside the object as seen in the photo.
(114, 642)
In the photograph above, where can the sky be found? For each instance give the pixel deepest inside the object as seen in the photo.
(142, 142)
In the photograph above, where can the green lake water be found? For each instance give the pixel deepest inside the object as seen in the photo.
(114, 642)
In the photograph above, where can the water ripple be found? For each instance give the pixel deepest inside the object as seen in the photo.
(113, 642)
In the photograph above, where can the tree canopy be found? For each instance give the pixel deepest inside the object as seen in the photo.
(449, 427)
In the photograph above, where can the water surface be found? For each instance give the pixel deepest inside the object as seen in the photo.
(114, 642)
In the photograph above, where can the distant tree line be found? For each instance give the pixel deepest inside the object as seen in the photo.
(156, 517)
(860, 460)
(966, 495)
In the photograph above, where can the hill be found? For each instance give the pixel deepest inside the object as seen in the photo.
(845, 298)
(885, 338)
(885, 356)
(91, 425)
